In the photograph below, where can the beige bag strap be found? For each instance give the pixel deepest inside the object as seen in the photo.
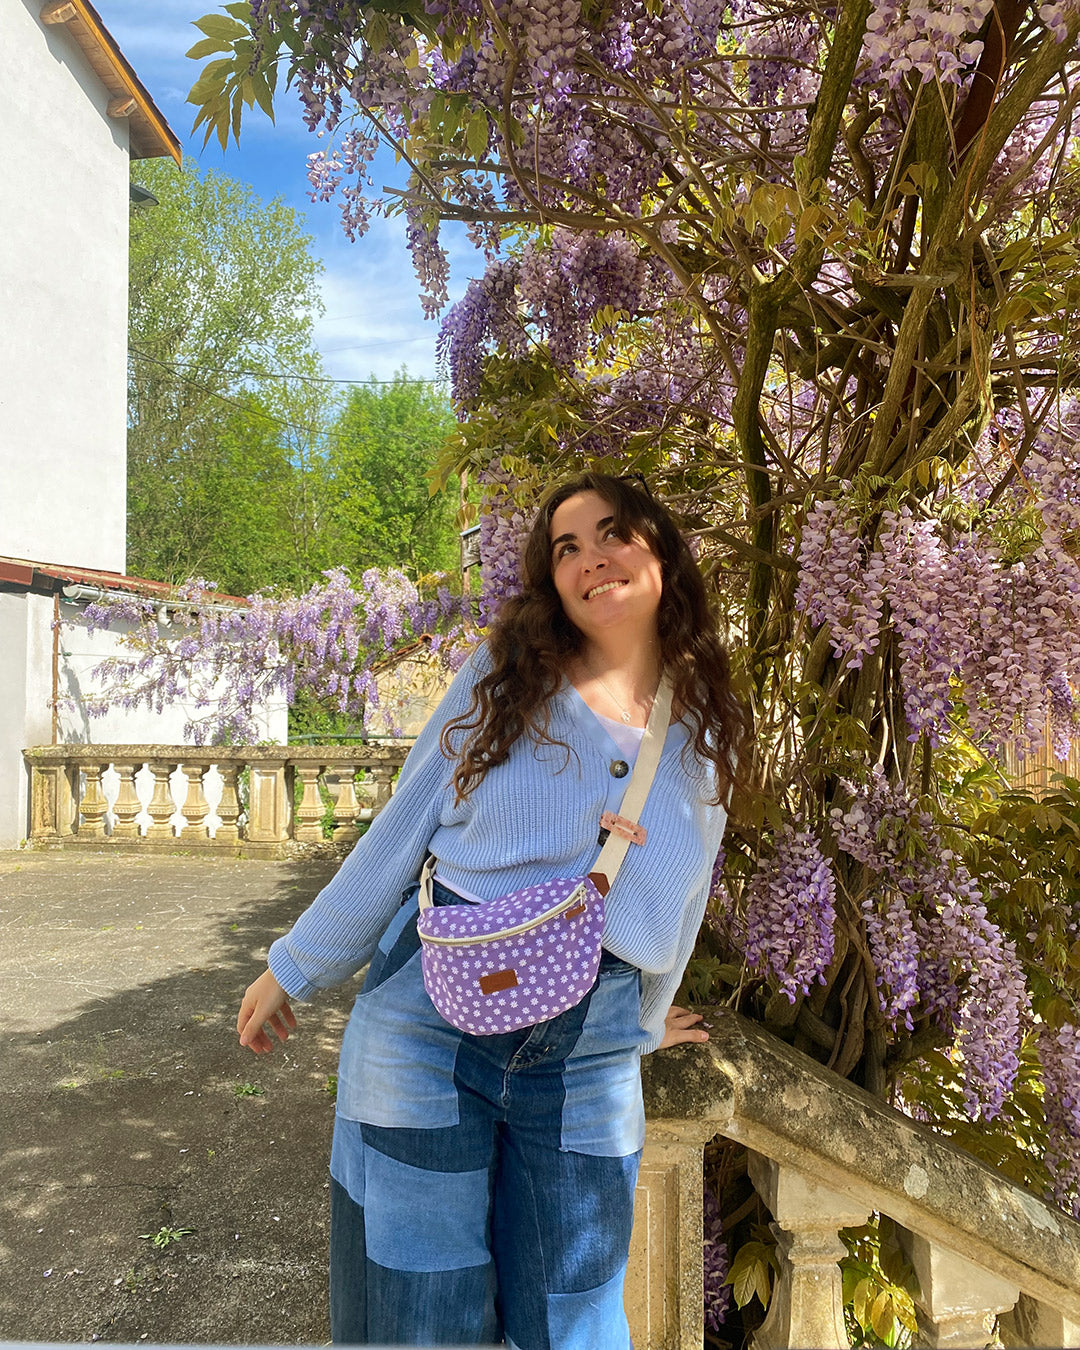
(637, 791)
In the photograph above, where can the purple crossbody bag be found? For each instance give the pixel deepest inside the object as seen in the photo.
(530, 955)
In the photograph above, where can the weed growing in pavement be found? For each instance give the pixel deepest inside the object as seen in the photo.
(167, 1235)
(248, 1090)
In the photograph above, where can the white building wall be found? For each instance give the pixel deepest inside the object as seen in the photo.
(63, 301)
(81, 652)
(13, 790)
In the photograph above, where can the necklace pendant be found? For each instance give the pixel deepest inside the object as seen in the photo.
(625, 717)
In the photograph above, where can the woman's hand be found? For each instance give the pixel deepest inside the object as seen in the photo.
(265, 1005)
(680, 1025)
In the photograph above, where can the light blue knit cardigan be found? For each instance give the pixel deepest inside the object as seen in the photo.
(532, 818)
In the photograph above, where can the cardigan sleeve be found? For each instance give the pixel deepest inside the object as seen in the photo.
(336, 936)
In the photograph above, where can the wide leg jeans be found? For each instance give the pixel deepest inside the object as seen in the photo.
(482, 1186)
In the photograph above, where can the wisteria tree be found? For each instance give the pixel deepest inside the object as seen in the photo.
(812, 269)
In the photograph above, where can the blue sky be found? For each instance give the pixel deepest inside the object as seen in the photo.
(373, 323)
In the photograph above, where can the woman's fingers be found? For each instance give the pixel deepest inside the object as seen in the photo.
(680, 1025)
(264, 1005)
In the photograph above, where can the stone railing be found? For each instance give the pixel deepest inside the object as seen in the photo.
(260, 800)
(824, 1155)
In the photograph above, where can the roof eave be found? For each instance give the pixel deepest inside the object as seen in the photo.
(151, 137)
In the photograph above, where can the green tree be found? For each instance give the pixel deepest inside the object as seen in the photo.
(224, 416)
(383, 448)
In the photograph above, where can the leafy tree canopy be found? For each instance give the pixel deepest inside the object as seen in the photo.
(223, 415)
(383, 450)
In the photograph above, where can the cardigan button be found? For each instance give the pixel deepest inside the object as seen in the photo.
(619, 768)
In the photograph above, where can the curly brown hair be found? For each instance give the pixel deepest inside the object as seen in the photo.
(532, 640)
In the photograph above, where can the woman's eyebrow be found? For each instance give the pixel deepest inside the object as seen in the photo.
(600, 525)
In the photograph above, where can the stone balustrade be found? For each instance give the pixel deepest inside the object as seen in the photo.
(824, 1155)
(262, 801)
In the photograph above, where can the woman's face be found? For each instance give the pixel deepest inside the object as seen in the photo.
(604, 582)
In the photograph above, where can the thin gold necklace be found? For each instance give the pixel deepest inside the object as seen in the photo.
(624, 713)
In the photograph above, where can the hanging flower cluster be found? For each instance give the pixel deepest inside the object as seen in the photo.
(503, 526)
(791, 913)
(935, 949)
(1006, 630)
(1059, 1052)
(231, 660)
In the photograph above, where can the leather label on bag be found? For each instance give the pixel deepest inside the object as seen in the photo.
(628, 829)
(579, 908)
(497, 981)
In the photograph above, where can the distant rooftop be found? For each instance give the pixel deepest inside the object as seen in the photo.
(24, 574)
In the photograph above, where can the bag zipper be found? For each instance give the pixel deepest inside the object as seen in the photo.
(552, 913)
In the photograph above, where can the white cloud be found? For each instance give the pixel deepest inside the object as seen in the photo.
(374, 324)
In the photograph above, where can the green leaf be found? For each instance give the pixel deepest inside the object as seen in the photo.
(206, 47)
(212, 81)
(749, 1274)
(881, 1315)
(476, 134)
(221, 27)
(263, 93)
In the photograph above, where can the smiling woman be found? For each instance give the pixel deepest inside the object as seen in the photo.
(483, 1182)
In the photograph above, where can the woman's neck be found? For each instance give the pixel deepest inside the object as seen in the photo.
(618, 676)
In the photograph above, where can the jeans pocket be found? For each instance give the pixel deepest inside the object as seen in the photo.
(398, 1055)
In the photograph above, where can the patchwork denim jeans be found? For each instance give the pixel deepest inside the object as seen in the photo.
(482, 1186)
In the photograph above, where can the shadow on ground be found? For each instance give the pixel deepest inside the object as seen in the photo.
(127, 1109)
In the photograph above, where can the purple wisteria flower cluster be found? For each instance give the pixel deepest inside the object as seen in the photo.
(791, 912)
(503, 527)
(999, 634)
(717, 1264)
(1059, 1053)
(935, 949)
(839, 584)
(230, 660)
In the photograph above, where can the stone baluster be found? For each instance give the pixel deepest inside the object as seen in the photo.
(195, 808)
(346, 806)
(365, 796)
(228, 809)
(958, 1300)
(127, 805)
(383, 775)
(52, 805)
(664, 1291)
(1032, 1323)
(269, 816)
(807, 1304)
(93, 805)
(161, 805)
(309, 813)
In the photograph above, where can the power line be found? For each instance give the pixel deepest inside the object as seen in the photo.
(246, 408)
(270, 375)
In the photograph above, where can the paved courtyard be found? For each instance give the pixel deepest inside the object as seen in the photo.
(127, 1110)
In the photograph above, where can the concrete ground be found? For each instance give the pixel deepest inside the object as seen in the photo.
(157, 1183)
